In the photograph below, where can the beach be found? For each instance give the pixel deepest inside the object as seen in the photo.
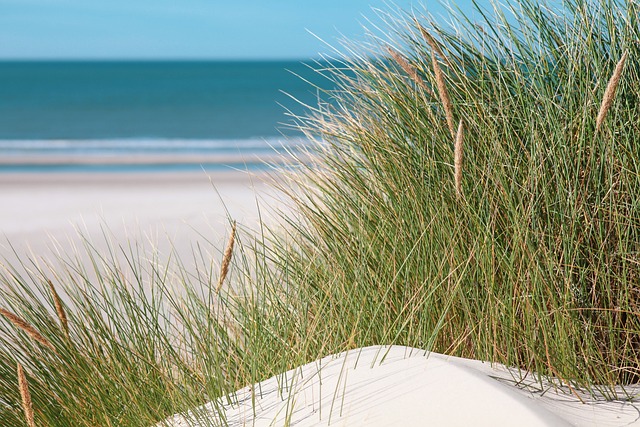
(161, 153)
(50, 215)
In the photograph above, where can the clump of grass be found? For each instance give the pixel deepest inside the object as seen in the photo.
(128, 340)
(537, 265)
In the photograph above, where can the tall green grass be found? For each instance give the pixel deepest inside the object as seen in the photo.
(475, 191)
(531, 256)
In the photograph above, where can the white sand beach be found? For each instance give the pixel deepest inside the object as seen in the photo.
(45, 215)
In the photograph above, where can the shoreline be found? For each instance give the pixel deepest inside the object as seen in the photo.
(140, 159)
(85, 178)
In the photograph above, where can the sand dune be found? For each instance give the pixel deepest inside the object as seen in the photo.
(401, 386)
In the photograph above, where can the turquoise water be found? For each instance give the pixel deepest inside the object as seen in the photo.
(75, 110)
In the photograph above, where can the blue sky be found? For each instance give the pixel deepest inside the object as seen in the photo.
(180, 29)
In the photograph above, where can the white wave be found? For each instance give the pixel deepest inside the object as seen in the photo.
(146, 144)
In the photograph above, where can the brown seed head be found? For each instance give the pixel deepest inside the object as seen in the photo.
(610, 91)
(27, 405)
(444, 95)
(62, 315)
(435, 46)
(30, 330)
(411, 71)
(226, 258)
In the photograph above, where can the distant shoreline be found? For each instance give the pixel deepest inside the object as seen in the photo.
(137, 165)
(71, 180)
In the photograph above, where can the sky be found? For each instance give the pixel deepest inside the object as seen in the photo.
(182, 29)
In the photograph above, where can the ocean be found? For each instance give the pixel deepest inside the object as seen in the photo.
(148, 116)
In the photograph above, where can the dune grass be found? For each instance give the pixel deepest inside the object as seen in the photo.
(475, 191)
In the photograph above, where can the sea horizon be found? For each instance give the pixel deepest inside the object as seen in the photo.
(85, 111)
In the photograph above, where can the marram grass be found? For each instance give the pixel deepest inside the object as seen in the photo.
(514, 239)
(528, 253)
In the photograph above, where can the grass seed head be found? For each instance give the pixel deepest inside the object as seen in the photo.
(226, 259)
(610, 91)
(410, 70)
(27, 404)
(62, 315)
(435, 47)
(444, 95)
(30, 330)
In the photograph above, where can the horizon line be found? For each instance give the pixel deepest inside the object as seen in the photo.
(164, 59)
